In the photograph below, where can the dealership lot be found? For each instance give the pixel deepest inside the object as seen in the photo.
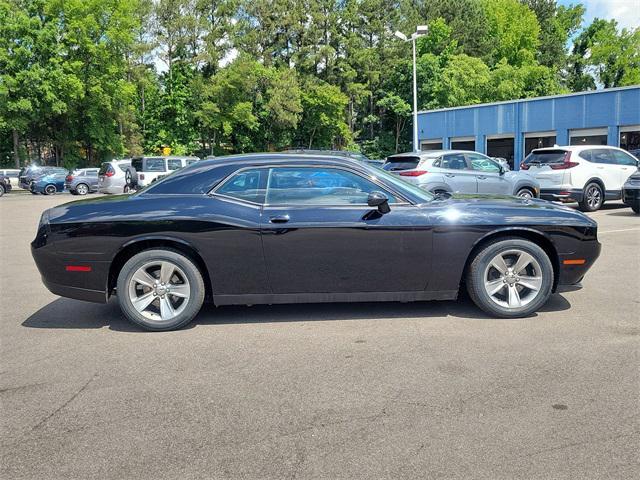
(323, 391)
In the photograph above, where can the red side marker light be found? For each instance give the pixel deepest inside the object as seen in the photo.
(575, 261)
(77, 268)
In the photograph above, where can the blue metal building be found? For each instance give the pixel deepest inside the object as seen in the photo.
(512, 129)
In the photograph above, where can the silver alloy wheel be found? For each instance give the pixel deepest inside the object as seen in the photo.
(159, 290)
(594, 196)
(50, 189)
(525, 193)
(513, 279)
(82, 189)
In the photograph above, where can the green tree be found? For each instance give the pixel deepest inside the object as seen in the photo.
(399, 110)
(322, 124)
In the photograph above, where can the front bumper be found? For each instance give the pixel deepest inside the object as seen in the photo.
(631, 195)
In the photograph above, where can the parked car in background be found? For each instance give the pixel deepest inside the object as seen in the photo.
(460, 171)
(29, 174)
(635, 153)
(503, 162)
(147, 169)
(5, 185)
(586, 174)
(276, 228)
(112, 176)
(49, 183)
(631, 192)
(11, 175)
(82, 181)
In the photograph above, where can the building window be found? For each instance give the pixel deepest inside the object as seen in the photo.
(466, 144)
(431, 145)
(595, 136)
(533, 142)
(501, 148)
(630, 138)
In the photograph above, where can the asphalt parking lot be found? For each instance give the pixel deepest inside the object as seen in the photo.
(389, 390)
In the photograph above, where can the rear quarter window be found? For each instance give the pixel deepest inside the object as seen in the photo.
(192, 180)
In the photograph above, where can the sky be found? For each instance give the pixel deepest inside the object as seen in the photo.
(625, 12)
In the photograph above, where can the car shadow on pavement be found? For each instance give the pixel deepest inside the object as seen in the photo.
(71, 314)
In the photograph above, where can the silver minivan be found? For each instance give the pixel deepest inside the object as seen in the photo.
(112, 176)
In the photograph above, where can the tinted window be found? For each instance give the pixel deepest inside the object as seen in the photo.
(174, 163)
(482, 163)
(318, 186)
(395, 163)
(454, 161)
(154, 165)
(189, 161)
(137, 164)
(622, 158)
(545, 157)
(602, 155)
(104, 167)
(246, 185)
(195, 179)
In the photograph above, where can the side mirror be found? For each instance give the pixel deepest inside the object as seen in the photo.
(502, 170)
(380, 201)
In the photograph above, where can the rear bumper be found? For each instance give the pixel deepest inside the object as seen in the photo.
(562, 194)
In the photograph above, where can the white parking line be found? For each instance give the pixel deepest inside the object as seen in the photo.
(621, 230)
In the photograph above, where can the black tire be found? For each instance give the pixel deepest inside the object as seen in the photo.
(50, 189)
(191, 271)
(1, 190)
(525, 192)
(480, 265)
(126, 189)
(131, 177)
(636, 207)
(82, 189)
(589, 205)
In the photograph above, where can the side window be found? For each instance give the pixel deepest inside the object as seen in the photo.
(601, 155)
(587, 155)
(318, 186)
(482, 163)
(622, 158)
(191, 160)
(247, 185)
(454, 161)
(174, 163)
(154, 165)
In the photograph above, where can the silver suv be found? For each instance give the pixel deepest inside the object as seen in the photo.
(460, 171)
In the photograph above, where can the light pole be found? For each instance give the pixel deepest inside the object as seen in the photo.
(421, 30)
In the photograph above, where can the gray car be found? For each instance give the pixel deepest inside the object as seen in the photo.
(460, 171)
(82, 181)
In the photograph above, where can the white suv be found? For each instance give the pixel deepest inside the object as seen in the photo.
(150, 169)
(587, 174)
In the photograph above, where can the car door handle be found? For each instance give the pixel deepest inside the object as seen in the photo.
(481, 177)
(449, 174)
(279, 219)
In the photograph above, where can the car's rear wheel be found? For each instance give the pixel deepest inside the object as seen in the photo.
(82, 189)
(50, 189)
(593, 198)
(160, 289)
(510, 278)
(525, 193)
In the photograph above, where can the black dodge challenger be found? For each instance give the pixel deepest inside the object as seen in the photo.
(283, 228)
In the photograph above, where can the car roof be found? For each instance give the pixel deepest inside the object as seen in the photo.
(271, 158)
(574, 148)
(429, 153)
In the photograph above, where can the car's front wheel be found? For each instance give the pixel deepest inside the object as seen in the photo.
(510, 278)
(1, 190)
(160, 289)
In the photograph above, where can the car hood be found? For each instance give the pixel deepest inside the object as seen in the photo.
(518, 209)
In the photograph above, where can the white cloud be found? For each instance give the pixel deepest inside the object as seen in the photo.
(625, 12)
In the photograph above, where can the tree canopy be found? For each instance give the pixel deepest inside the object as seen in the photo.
(82, 81)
